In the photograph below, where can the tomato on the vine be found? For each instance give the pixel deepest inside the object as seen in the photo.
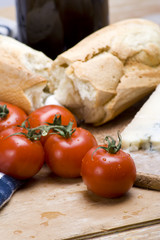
(108, 171)
(10, 115)
(46, 114)
(64, 154)
(20, 157)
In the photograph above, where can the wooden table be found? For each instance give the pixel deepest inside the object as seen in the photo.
(150, 230)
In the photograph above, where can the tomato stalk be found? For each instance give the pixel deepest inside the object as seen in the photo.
(36, 133)
(65, 131)
(3, 111)
(111, 145)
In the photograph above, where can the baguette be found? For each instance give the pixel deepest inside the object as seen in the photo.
(109, 70)
(25, 75)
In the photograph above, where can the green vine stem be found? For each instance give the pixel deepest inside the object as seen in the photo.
(36, 133)
(3, 111)
(111, 145)
(65, 131)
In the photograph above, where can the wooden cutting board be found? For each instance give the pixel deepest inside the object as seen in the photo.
(53, 208)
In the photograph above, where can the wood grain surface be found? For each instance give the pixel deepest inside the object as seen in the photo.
(146, 233)
(48, 207)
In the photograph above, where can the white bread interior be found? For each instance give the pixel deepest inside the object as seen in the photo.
(109, 71)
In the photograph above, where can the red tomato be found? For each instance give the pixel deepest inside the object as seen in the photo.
(64, 155)
(47, 113)
(15, 115)
(20, 157)
(108, 175)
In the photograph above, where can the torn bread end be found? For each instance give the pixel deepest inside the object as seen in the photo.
(110, 70)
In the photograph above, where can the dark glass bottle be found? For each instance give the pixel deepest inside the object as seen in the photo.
(53, 26)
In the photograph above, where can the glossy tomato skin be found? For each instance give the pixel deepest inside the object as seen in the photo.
(15, 116)
(108, 175)
(20, 157)
(64, 156)
(47, 113)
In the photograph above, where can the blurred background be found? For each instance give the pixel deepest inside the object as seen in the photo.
(55, 31)
(118, 9)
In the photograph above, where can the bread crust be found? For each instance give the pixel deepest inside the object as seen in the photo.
(120, 64)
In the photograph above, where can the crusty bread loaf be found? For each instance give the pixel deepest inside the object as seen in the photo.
(24, 74)
(97, 79)
(109, 71)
